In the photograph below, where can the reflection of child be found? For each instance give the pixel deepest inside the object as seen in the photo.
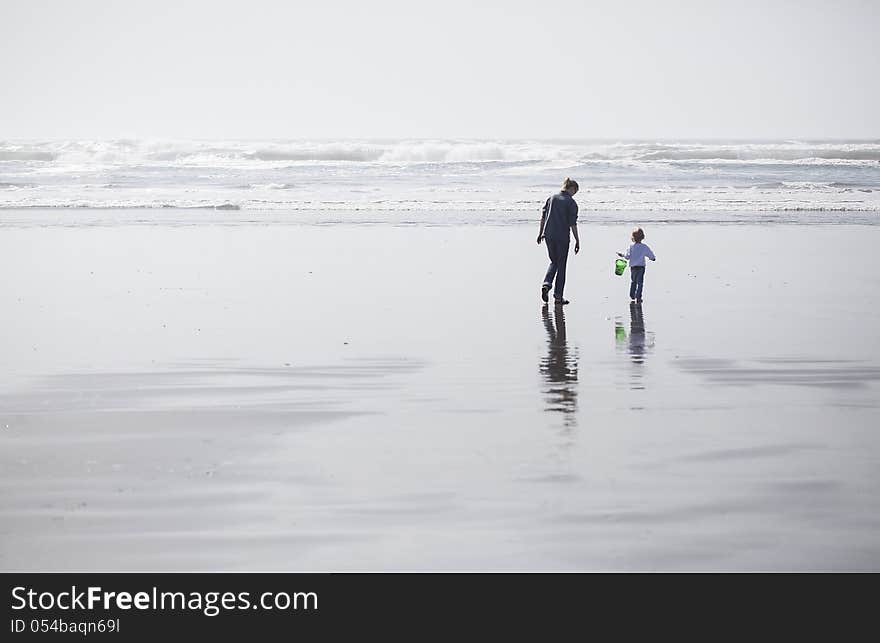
(637, 253)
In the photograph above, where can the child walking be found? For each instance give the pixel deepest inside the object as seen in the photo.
(637, 253)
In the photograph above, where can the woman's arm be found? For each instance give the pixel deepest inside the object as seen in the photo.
(543, 220)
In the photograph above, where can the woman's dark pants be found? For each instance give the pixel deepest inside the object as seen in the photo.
(637, 273)
(558, 251)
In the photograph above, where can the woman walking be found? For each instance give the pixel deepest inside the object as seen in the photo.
(558, 217)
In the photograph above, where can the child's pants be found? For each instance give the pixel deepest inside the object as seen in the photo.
(558, 251)
(637, 273)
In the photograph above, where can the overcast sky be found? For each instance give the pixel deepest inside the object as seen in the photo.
(447, 68)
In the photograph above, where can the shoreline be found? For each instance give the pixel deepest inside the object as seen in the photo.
(12, 218)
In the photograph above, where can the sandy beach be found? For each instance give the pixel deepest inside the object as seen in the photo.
(377, 397)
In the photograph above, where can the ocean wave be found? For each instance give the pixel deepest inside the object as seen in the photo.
(15, 186)
(764, 155)
(213, 153)
(202, 153)
(353, 154)
(444, 176)
(268, 186)
(26, 155)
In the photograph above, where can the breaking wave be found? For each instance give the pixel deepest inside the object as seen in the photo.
(443, 176)
(427, 151)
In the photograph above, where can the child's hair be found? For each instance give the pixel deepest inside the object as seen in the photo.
(637, 235)
(569, 184)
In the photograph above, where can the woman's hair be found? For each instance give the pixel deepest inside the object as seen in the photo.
(638, 234)
(569, 184)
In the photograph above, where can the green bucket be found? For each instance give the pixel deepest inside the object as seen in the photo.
(619, 266)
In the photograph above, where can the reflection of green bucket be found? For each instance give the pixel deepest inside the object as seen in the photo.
(619, 332)
(619, 266)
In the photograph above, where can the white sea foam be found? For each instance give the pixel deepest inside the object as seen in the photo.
(429, 151)
(442, 176)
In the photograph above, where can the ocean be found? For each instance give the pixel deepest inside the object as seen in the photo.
(448, 181)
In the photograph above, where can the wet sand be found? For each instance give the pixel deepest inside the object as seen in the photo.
(305, 397)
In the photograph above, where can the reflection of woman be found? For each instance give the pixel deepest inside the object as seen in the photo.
(558, 217)
(559, 368)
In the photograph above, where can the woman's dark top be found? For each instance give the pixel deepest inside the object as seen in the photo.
(560, 217)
